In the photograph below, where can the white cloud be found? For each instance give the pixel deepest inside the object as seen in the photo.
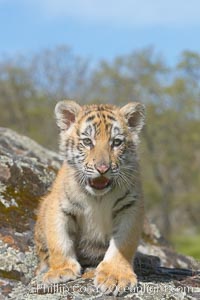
(123, 12)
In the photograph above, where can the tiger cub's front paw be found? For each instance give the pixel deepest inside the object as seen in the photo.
(64, 274)
(114, 279)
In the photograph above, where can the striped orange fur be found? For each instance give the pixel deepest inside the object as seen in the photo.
(94, 212)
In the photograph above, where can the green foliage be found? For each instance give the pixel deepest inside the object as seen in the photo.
(187, 244)
(171, 142)
(31, 86)
(170, 156)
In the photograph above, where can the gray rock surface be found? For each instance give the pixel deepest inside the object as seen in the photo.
(26, 173)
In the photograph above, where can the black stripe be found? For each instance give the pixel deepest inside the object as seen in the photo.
(121, 198)
(91, 118)
(78, 132)
(73, 218)
(103, 108)
(121, 209)
(108, 126)
(77, 205)
(44, 251)
(69, 214)
(72, 143)
(97, 124)
(96, 244)
(46, 256)
(67, 143)
(88, 130)
(89, 111)
(111, 118)
(80, 147)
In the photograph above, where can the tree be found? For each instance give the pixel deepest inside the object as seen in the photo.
(170, 157)
(170, 135)
(30, 86)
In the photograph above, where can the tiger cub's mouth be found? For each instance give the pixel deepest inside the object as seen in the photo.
(99, 183)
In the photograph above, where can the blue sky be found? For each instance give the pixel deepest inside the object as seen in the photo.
(99, 29)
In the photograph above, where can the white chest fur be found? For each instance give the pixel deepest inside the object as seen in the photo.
(96, 221)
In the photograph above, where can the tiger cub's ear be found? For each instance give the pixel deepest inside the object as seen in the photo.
(134, 114)
(66, 112)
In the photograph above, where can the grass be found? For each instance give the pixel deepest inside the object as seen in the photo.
(188, 245)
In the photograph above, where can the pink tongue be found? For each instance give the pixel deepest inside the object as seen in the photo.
(99, 183)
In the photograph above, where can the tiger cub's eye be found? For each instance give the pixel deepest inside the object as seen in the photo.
(117, 142)
(87, 142)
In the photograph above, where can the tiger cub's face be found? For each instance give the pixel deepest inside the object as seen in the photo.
(99, 142)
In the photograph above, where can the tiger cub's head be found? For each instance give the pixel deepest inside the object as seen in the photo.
(99, 142)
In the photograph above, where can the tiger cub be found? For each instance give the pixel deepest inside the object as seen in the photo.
(94, 213)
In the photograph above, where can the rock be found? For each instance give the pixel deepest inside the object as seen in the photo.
(26, 173)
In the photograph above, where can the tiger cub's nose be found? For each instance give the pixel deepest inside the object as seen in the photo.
(102, 168)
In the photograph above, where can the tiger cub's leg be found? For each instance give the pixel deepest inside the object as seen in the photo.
(60, 232)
